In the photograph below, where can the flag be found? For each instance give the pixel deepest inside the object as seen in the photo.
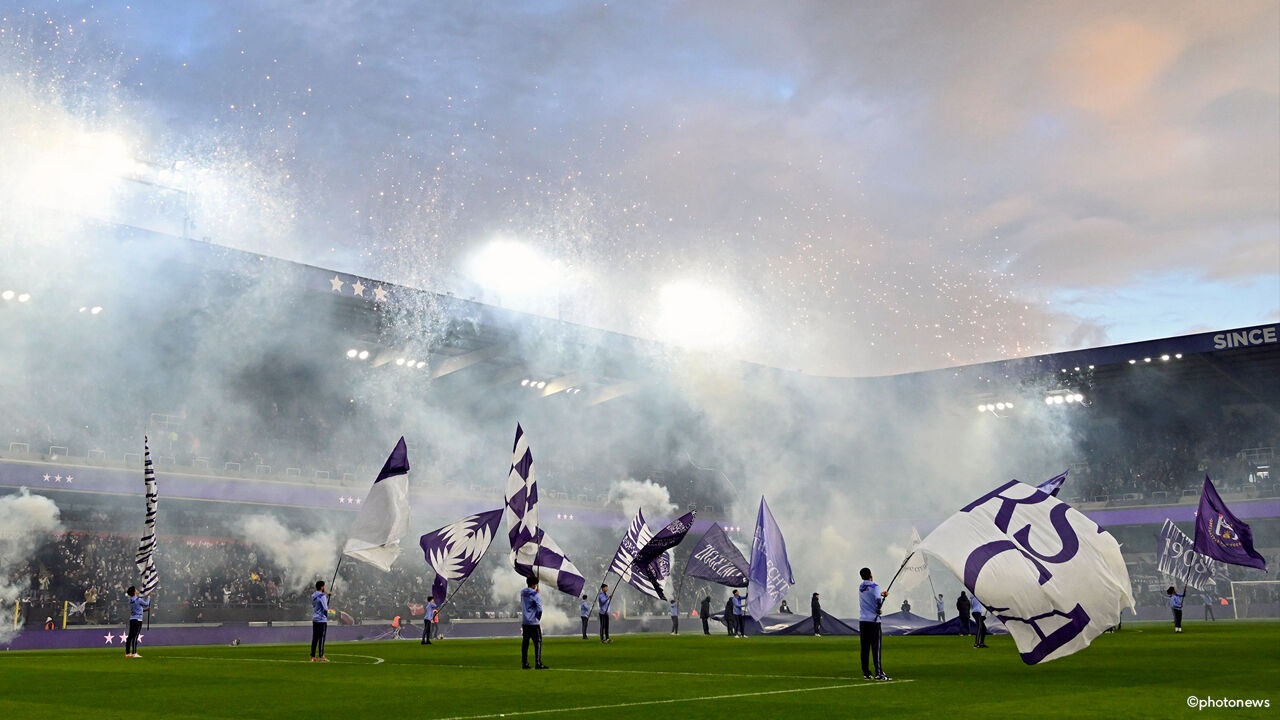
(1053, 577)
(717, 559)
(1053, 484)
(522, 494)
(543, 558)
(1221, 535)
(146, 557)
(416, 609)
(440, 588)
(1176, 558)
(455, 550)
(649, 560)
(74, 608)
(916, 570)
(638, 534)
(384, 516)
(770, 572)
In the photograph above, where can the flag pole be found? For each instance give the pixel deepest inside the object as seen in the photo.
(895, 578)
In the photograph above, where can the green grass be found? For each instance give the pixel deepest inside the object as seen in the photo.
(1144, 671)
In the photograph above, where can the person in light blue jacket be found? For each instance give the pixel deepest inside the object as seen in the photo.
(531, 624)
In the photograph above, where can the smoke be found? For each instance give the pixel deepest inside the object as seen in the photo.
(629, 495)
(304, 557)
(26, 521)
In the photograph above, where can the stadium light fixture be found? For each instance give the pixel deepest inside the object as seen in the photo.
(1133, 362)
(352, 353)
(1178, 356)
(524, 382)
(96, 309)
(400, 361)
(542, 384)
(7, 294)
(511, 268)
(364, 355)
(1165, 358)
(24, 297)
(1146, 359)
(421, 364)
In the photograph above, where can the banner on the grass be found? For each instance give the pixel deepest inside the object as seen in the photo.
(717, 559)
(1221, 535)
(1053, 577)
(1179, 560)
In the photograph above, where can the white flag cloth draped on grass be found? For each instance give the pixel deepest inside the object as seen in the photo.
(638, 534)
(533, 552)
(1053, 577)
(146, 557)
(916, 570)
(384, 516)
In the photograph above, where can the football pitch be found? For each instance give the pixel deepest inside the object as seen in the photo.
(1143, 671)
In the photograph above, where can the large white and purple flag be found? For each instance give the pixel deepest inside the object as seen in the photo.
(455, 550)
(146, 556)
(522, 494)
(916, 570)
(542, 558)
(717, 559)
(384, 516)
(770, 576)
(638, 534)
(1053, 577)
(1177, 558)
(653, 561)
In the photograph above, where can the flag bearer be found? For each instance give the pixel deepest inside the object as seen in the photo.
(1175, 604)
(319, 621)
(429, 609)
(603, 601)
(530, 624)
(138, 604)
(870, 599)
(586, 616)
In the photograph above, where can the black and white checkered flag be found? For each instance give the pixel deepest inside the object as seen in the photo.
(146, 558)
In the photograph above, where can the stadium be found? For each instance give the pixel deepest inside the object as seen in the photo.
(265, 393)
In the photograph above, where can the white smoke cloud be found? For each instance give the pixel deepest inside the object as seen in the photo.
(632, 494)
(26, 521)
(304, 557)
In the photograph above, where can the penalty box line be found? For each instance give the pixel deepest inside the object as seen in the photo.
(640, 703)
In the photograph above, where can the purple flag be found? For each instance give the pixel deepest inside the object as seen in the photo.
(454, 550)
(397, 462)
(1053, 484)
(1221, 535)
(770, 570)
(542, 558)
(649, 559)
(521, 494)
(439, 590)
(717, 559)
(637, 536)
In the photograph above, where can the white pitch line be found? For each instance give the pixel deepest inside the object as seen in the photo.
(378, 660)
(669, 702)
(504, 668)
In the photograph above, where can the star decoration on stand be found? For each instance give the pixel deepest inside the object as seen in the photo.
(380, 294)
(140, 636)
(68, 479)
(357, 289)
(57, 478)
(110, 638)
(47, 477)
(342, 499)
(336, 284)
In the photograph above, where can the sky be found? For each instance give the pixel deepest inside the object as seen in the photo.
(836, 188)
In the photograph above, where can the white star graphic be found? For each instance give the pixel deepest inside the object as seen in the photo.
(342, 499)
(357, 501)
(357, 289)
(69, 479)
(379, 293)
(336, 284)
(110, 637)
(57, 478)
(140, 637)
(46, 477)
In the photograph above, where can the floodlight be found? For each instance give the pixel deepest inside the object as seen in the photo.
(364, 355)
(352, 353)
(7, 295)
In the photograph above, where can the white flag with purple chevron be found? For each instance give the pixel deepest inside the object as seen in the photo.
(522, 494)
(146, 557)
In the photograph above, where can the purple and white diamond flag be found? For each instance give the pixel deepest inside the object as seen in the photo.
(522, 494)
(542, 558)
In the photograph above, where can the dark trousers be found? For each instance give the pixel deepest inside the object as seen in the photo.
(131, 644)
(584, 627)
(869, 639)
(964, 623)
(426, 631)
(979, 629)
(1208, 613)
(706, 624)
(318, 630)
(534, 633)
(741, 620)
(604, 626)
(675, 624)
(730, 624)
(817, 624)
(1177, 617)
